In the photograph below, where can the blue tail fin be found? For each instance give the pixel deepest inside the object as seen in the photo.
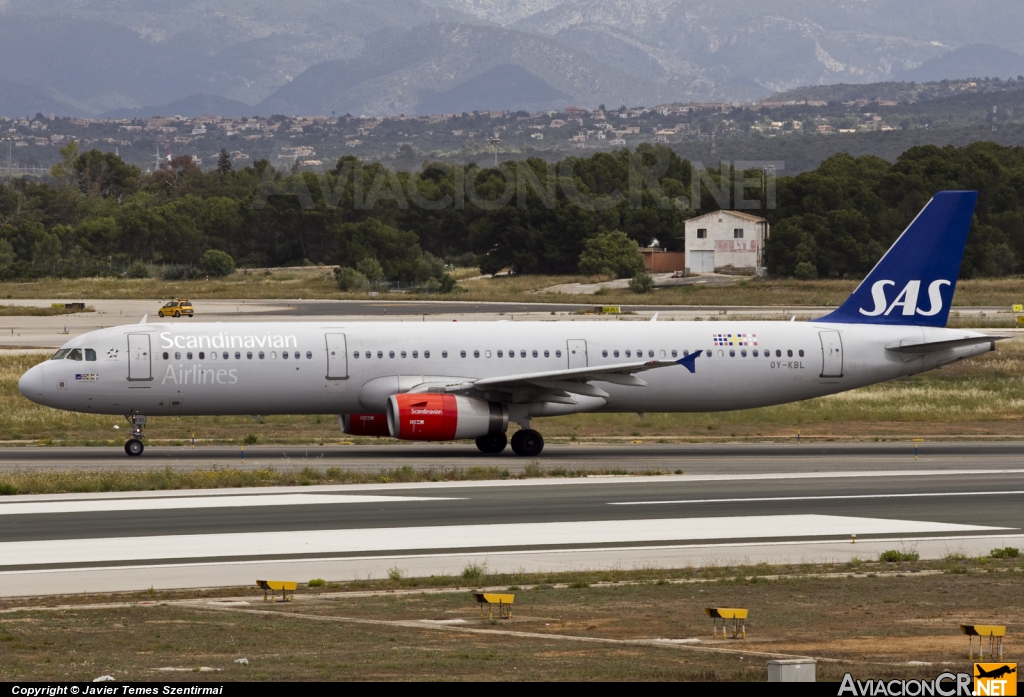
(914, 282)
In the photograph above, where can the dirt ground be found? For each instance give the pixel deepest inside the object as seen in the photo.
(872, 619)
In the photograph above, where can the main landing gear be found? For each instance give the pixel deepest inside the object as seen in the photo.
(134, 446)
(526, 442)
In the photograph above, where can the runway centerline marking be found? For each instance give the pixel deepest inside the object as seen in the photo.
(820, 498)
(188, 502)
(489, 536)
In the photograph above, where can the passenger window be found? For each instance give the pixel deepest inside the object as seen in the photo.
(426, 354)
(380, 354)
(309, 354)
(732, 353)
(743, 353)
(674, 353)
(60, 354)
(403, 354)
(662, 354)
(476, 354)
(166, 356)
(487, 353)
(685, 353)
(415, 354)
(755, 353)
(248, 354)
(273, 355)
(721, 353)
(391, 354)
(500, 354)
(262, 355)
(355, 354)
(547, 355)
(284, 355)
(87, 354)
(462, 353)
(213, 355)
(90, 354)
(558, 353)
(225, 355)
(778, 353)
(629, 354)
(202, 355)
(650, 353)
(615, 353)
(535, 353)
(177, 355)
(604, 353)
(789, 353)
(522, 354)
(444, 354)
(75, 355)
(189, 355)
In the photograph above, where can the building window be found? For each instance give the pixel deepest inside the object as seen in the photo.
(702, 233)
(737, 234)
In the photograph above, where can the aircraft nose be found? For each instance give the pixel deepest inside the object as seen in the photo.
(31, 384)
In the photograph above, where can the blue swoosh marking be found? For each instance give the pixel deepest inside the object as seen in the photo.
(689, 362)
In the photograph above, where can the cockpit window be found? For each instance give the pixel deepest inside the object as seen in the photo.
(74, 355)
(90, 354)
(60, 354)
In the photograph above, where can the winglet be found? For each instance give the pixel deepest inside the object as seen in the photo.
(144, 318)
(690, 362)
(655, 317)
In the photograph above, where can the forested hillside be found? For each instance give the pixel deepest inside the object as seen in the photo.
(101, 216)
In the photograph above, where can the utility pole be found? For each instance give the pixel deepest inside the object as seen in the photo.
(10, 143)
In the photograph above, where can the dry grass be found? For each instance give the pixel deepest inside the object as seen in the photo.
(982, 396)
(318, 282)
(870, 619)
(26, 311)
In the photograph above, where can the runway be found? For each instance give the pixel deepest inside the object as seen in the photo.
(734, 504)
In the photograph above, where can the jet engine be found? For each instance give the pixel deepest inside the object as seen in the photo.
(364, 424)
(444, 417)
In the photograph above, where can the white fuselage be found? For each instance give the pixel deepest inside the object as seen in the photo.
(241, 368)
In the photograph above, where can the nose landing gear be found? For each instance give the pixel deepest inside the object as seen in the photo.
(134, 446)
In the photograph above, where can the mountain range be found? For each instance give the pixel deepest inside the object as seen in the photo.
(386, 57)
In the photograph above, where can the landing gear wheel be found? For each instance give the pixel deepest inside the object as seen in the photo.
(134, 447)
(527, 443)
(492, 444)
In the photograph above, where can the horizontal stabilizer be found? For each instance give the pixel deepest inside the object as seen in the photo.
(936, 346)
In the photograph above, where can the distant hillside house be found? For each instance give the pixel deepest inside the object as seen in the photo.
(726, 241)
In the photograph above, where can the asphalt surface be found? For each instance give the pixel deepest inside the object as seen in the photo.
(778, 503)
(745, 458)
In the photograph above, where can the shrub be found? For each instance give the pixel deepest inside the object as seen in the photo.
(174, 272)
(473, 572)
(316, 583)
(217, 263)
(641, 283)
(892, 555)
(348, 278)
(1005, 553)
(805, 271)
(395, 574)
(448, 283)
(7, 489)
(251, 439)
(137, 270)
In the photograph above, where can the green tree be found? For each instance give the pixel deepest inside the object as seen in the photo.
(371, 269)
(348, 278)
(223, 162)
(611, 254)
(217, 263)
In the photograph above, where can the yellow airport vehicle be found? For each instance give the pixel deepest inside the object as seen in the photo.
(177, 308)
(995, 634)
(273, 586)
(502, 600)
(738, 615)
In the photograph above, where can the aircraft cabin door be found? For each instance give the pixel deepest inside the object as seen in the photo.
(140, 364)
(831, 355)
(337, 357)
(577, 351)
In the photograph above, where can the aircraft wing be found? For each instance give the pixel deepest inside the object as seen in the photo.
(559, 385)
(934, 346)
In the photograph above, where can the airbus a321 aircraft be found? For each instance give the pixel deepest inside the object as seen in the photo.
(451, 381)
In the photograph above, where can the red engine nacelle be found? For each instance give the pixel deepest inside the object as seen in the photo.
(365, 424)
(444, 417)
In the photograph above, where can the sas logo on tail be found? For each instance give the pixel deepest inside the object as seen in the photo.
(907, 299)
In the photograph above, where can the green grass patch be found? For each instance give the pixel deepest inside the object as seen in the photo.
(893, 555)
